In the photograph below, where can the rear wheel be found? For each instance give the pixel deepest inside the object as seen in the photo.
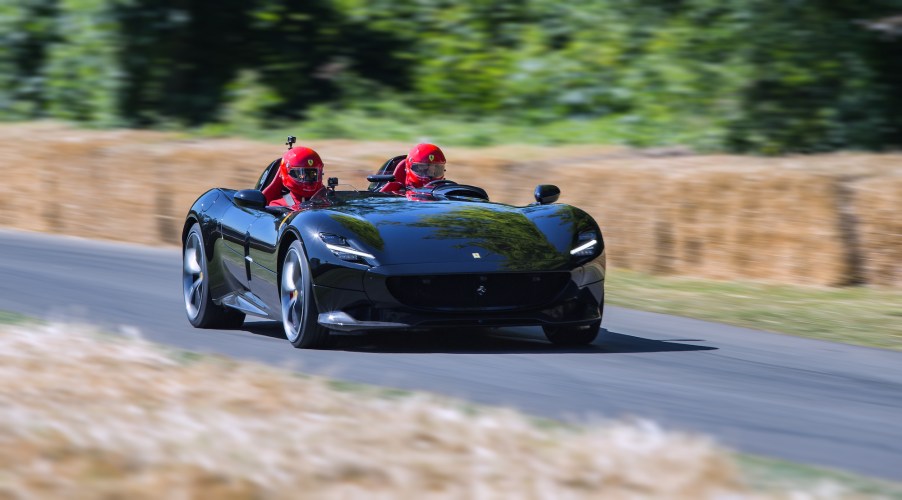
(199, 306)
(572, 335)
(299, 311)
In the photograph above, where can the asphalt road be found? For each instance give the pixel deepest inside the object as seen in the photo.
(793, 398)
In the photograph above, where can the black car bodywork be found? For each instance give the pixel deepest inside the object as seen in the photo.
(379, 261)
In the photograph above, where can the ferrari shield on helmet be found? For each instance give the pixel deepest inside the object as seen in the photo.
(302, 172)
(425, 163)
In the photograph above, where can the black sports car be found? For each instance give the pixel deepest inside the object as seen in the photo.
(354, 261)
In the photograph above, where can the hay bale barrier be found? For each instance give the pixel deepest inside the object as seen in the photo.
(878, 220)
(820, 220)
(750, 222)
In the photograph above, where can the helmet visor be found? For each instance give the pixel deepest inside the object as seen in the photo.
(304, 174)
(431, 170)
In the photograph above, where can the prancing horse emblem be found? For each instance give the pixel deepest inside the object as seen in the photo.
(481, 290)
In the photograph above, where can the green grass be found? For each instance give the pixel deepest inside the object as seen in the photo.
(396, 123)
(774, 476)
(854, 315)
(11, 318)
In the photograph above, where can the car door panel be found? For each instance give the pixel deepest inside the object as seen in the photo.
(263, 253)
(235, 227)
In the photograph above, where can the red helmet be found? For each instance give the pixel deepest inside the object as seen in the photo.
(425, 163)
(301, 172)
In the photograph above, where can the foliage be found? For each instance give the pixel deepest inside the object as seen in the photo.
(248, 101)
(81, 73)
(760, 76)
(26, 29)
(179, 57)
(814, 84)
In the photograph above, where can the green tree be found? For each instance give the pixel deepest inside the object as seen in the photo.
(814, 82)
(26, 28)
(179, 56)
(762, 76)
(82, 73)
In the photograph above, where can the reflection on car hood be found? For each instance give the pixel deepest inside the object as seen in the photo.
(399, 231)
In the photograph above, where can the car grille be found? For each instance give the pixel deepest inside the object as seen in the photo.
(508, 291)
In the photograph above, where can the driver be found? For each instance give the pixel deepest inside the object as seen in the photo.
(424, 163)
(300, 177)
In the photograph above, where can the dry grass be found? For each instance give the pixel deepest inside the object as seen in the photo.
(822, 220)
(90, 417)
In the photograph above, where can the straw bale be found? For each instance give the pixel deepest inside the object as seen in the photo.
(626, 203)
(718, 220)
(779, 226)
(879, 221)
(825, 219)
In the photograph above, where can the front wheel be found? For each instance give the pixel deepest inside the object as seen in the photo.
(299, 311)
(572, 335)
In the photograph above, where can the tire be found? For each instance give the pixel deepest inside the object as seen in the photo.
(299, 311)
(199, 306)
(572, 335)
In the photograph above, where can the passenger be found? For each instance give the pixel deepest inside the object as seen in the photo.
(425, 163)
(300, 177)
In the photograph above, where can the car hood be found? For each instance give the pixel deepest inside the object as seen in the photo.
(399, 231)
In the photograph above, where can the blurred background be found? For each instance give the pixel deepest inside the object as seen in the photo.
(748, 76)
(741, 156)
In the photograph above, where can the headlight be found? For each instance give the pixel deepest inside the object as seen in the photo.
(586, 244)
(342, 249)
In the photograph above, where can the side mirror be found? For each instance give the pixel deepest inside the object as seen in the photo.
(250, 198)
(547, 193)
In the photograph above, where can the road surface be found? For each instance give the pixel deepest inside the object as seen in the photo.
(793, 398)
